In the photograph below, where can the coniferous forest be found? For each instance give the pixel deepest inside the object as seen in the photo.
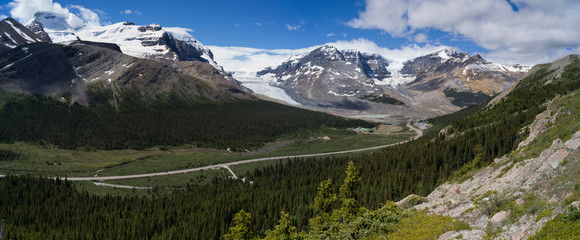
(48, 209)
(238, 125)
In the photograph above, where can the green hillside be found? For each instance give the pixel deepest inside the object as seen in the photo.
(168, 121)
(40, 208)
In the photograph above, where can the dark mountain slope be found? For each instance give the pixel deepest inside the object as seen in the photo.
(14, 34)
(58, 70)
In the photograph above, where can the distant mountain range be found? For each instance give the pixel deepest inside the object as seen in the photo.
(68, 69)
(433, 84)
(148, 41)
(348, 82)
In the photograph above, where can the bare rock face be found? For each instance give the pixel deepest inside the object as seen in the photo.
(147, 41)
(351, 80)
(57, 70)
(510, 179)
(447, 235)
(448, 69)
(37, 27)
(498, 218)
(328, 77)
(14, 34)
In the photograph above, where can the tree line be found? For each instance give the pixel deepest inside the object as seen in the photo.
(238, 125)
(54, 209)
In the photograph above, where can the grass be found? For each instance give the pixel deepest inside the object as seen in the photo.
(50, 161)
(561, 227)
(176, 180)
(90, 187)
(420, 225)
(566, 124)
(161, 185)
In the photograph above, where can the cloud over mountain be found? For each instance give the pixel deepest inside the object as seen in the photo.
(512, 31)
(24, 10)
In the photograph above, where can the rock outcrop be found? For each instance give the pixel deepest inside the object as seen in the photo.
(527, 178)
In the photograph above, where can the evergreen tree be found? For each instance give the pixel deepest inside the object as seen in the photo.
(323, 205)
(242, 227)
(349, 188)
(284, 230)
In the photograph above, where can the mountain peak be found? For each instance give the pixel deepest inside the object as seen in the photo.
(329, 52)
(143, 41)
(14, 34)
(58, 21)
(446, 53)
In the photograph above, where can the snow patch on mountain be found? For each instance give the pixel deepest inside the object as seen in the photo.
(59, 22)
(264, 85)
(497, 67)
(28, 38)
(148, 41)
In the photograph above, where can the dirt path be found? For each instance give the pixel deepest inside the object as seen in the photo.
(419, 132)
(119, 186)
(226, 165)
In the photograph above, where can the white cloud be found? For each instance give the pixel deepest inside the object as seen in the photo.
(254, 59)
(3, 16)
(397, 55)
(179, 32)
(330, 34)
(88, 15)
(24, 10)
(129, 12)
(388, 15)
(538, 30)
(421, 38)
(246, 62)
(292, 27)
(257, 24)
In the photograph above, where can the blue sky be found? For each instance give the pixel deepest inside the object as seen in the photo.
(506, 30)
(279, 24)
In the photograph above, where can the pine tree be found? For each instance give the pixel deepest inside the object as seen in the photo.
(284, 230)
(349, 188)
(242, 227)
(325, 200)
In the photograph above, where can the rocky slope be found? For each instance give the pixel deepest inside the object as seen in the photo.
(520, 192)
(68, 71)
(170, 45)
(326, 74)
(14, 34)
(459, 71)
(148, 41)
(434, 84)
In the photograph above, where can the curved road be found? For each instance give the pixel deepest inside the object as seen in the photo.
(226, 165)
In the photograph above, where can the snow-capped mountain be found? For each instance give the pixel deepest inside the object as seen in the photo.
(322, 75)
(148, 41)
(448, 69)
(68, 70)
(439, 82)
(14, 34)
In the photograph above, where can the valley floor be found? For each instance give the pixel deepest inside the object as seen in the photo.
(118, 167)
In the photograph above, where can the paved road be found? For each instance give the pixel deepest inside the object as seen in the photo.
(226, 165)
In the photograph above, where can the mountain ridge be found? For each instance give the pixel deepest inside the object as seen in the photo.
(433, 84)
(147, 41)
